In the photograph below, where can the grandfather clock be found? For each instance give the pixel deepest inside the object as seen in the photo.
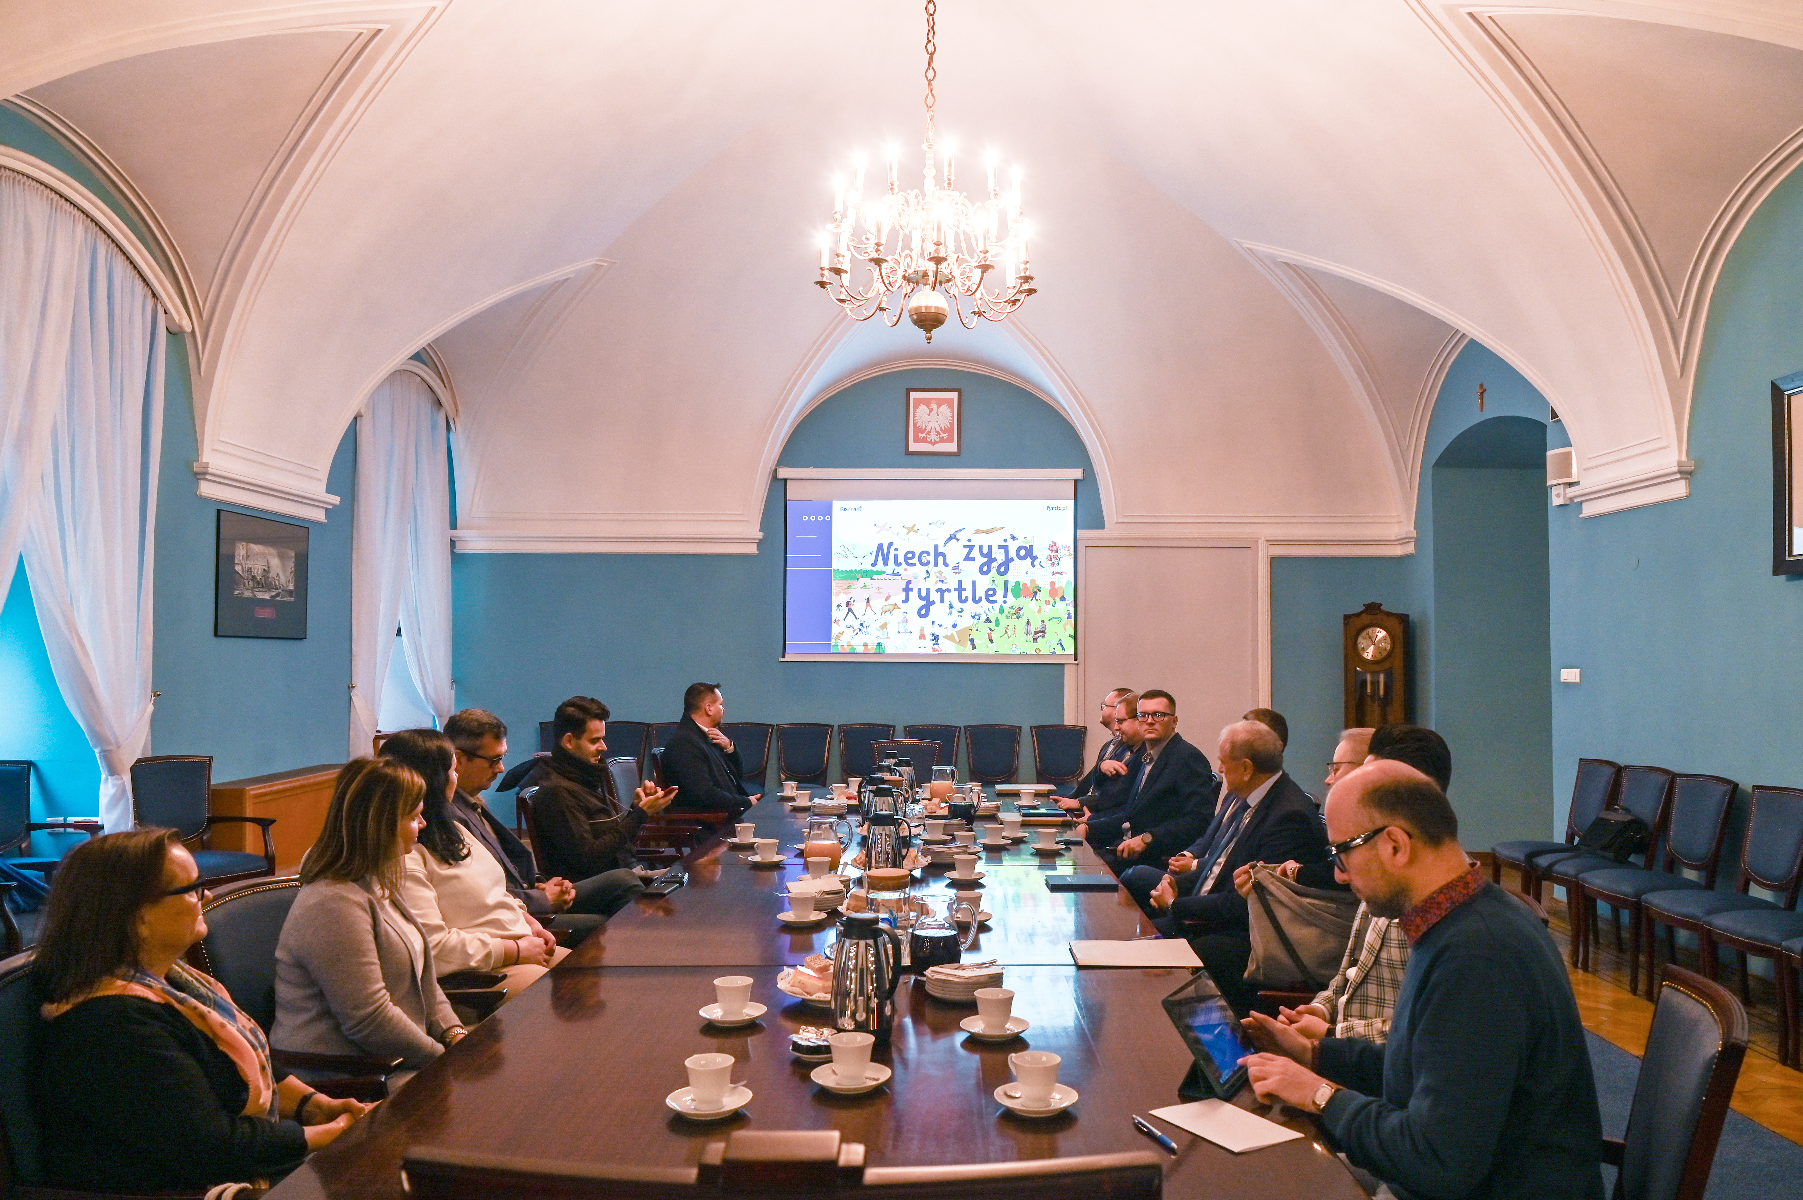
(1375, 651)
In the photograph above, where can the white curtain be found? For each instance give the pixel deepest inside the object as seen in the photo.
(81, 389)
(401, 552)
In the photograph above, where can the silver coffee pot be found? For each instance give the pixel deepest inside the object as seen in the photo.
(867, 962)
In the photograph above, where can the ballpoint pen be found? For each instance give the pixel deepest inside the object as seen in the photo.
(1141, 1125)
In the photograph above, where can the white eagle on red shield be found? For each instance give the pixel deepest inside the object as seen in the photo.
(933, 423)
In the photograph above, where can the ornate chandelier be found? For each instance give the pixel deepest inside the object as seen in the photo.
(929, 251)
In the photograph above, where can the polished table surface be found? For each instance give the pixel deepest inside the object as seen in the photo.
(576, 1067)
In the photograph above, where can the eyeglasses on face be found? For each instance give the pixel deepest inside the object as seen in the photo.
(199, 885)
(493, 760)
(1338, 851)
(1155, 715)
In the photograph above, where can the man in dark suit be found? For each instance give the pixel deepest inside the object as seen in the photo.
(1114, 750)
(701, 762)
(1170, 794)
(480, 739)
(1264, 816)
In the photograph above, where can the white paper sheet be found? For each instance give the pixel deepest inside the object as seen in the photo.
(1152, 952)
(1228, 1127)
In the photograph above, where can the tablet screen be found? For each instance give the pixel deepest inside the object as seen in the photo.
(1217, 1031)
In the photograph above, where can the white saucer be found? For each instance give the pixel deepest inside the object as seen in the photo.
(957, 878)
(995, 844)
(1019, 836)
(755, 861)
(741, 845)
(1054, 848)
(875, 1075)
(974, 1027)
(1062, 1098)
(737, 1097)
(789, 918)
(983, 917)
(935, 841)
(753, 1010)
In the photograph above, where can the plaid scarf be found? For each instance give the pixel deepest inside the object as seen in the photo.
(207, 1006)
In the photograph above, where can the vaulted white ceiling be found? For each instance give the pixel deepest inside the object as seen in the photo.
(1264, 230)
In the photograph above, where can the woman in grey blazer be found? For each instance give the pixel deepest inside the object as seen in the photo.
(353, 970)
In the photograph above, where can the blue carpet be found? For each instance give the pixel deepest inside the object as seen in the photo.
(1750, 1160)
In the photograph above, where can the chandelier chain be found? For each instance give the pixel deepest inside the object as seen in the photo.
(932, 72)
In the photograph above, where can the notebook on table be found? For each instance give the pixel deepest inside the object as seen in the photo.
(1080, 883)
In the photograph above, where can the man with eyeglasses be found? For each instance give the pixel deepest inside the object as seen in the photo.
(480, 740)
(1484, 1087)
(1170, 795)
(1111, 759)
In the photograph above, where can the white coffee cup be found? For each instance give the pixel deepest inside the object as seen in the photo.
(1048, 837)
(709, 1075)
(851, 1056)
(1036, 1073)
(801, 904)
(788, 787)
(935, 829)
(993, 1006)
(745, 833)
(992, 833)
(854, 781)
(732, 991)
(1011, 823)
(817, 866)
(973, 898)
(966, 837)
(767, 849)
(964, 864)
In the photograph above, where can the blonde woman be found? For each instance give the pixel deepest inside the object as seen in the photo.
(147, 1076)
(353, 969)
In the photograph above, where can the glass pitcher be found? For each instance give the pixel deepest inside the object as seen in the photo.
(944, 783)
(826, 837)
(934, 939)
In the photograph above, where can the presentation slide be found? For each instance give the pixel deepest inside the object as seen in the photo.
(965, 579)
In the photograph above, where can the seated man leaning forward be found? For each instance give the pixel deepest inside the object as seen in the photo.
(583, 829)
(700, 761)
(1484, 1087)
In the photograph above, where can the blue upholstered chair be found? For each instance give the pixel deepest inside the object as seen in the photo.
(802, 749)
(948, 736)
(1687, 1075)
(994, 752)
(172, 791)
(16, 825)
(244, 923)
(1591, 792)
(10, 941)
(1790, 1005)
(1771, 856)
(1058, 754)
(857, 747)
(655, 739)
(625, 770)
(1694, 833)
(1644, 791)
(752, 740)
(547, 737)
(919, 753)
(628, 739)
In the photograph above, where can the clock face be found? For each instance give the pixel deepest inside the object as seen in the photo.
(1373, 643)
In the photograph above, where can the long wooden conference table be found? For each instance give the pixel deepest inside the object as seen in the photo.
(576, 1067)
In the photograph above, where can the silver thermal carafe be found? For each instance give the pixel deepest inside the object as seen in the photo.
(866, 967)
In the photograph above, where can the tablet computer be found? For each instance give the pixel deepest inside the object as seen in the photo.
(1214, 1037)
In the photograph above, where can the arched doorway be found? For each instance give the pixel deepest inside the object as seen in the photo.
(1492, 652)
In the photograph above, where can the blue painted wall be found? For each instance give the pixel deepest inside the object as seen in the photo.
(1691, 649)
(1499, 775)
(636, 629)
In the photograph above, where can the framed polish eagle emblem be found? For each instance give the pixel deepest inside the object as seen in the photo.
(935, 420)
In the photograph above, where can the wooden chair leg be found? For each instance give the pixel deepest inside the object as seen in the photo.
(1633, 949)
(1781, 975)
(1496, 870)
(1615, 919)
(1746, 993)
(1706, 955)
(1671, 952)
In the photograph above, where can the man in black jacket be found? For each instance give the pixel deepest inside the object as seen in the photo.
(1114, 750)
(480, 739)
(580, 824)
(700, 761)
(1263, 816)
(1170, 795)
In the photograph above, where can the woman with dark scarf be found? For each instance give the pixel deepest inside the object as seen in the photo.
(581, 828)
(148, 1076)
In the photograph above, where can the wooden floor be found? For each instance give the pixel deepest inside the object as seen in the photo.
(1767, 1093)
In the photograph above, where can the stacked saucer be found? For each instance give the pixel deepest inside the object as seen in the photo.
(958, 984)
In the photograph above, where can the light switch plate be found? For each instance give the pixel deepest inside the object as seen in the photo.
(1569, 675)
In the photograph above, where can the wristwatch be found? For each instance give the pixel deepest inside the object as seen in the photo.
(1323, 1094)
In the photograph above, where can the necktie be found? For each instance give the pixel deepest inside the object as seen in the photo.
(1140, 780)
(1216, 853)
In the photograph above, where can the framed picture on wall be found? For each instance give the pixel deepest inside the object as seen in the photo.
(935, 420)
(260, 583)
(1787, 474)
